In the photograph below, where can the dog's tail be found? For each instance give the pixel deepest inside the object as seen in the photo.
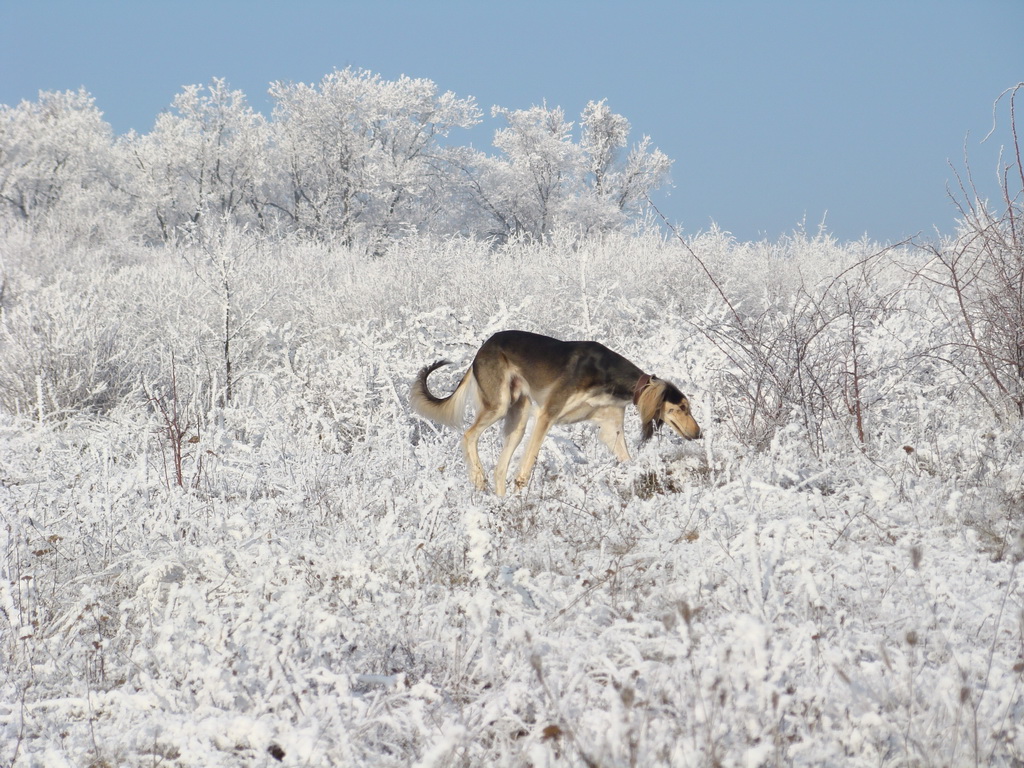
(444, 410)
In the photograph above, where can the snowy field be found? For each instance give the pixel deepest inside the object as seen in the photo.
(301, 574)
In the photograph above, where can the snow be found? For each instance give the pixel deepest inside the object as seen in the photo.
(327, 588)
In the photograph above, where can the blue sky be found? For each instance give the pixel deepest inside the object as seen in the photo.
(775, 112)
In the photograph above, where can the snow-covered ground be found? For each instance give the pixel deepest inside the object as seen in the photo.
(324, 587)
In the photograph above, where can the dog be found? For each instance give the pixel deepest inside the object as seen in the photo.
(565, 381)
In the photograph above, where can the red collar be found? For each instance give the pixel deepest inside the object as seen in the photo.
(641, 385)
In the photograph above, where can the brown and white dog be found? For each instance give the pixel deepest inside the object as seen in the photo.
(566, 381)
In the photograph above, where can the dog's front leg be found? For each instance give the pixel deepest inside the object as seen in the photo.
(611, 432)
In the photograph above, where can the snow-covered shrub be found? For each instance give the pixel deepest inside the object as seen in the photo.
(325, 587)
(64, 352)
(981, 272)
(798, 350)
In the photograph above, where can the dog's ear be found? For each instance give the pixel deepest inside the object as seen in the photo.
(650, 404)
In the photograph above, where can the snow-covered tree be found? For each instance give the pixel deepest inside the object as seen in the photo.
(203, 162)
(624, 183)
(543, 179)
(54, 153)
(541, 169)
(358, 155)
(355, 158)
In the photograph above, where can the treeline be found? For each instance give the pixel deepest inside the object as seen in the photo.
(355, 159)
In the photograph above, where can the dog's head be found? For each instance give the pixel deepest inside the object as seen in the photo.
(661, 402)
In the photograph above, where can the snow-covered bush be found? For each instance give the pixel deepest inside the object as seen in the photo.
(981, 274)
(324, 586)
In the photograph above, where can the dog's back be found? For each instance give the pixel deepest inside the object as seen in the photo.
(544, 361)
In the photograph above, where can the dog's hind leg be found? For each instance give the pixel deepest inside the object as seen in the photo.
(515, 425)
(540, 431)
(485, 418)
